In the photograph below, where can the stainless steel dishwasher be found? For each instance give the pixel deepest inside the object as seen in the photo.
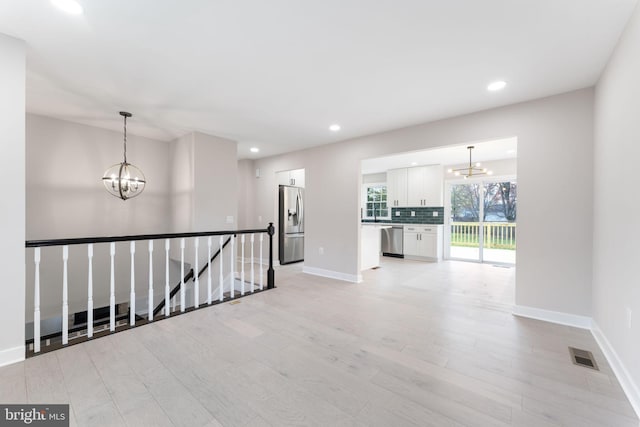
(392, 241)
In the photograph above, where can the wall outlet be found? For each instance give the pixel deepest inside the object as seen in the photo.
(397, 213)
(229, 219)
(321, 250)
(629, 317)
(413, 213)
(435, 213)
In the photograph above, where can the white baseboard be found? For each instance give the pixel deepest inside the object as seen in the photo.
(582, 322)
(630, 388)
(12, 355)
(354, 278)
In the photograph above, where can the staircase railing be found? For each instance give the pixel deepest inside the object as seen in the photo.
(91, 328)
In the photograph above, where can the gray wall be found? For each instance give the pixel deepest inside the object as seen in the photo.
(555, 136)
(65, 195)
(616, 253)
(12, 175)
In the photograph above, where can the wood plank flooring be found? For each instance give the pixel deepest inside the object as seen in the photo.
(415, 344)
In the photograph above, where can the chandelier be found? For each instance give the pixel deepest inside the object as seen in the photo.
(472, 169)
(124, 180)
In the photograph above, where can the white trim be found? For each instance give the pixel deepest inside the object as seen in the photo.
(630, 388)
(12, 355)
(558, 317)
(353, 278)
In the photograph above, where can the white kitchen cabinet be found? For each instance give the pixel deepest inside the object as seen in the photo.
(424, 186)
(423, 242)
(293, 177)
(397, 188)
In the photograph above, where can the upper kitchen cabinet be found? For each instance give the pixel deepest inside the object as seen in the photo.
(424, 186)
(414, 187)
(293, 177)
(397, 187)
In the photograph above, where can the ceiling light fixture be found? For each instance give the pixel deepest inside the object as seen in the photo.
(124, 180)
(472, 170)
(334, 128)
(495, 86)
(72, 7)
(254, 149)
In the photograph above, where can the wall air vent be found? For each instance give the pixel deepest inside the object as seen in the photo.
(583, 358)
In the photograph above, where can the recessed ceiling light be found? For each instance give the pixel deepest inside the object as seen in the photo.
(511, 151)
(254, 149)
(414, 163)
(498, 85)
(72, 7)
(334, 128)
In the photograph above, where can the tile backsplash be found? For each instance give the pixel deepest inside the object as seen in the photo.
(422, 215)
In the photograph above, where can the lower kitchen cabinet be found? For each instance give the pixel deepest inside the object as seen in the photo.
(423, 242)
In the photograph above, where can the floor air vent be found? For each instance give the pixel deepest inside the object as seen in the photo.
(583, 358)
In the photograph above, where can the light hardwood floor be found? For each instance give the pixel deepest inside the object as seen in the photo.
(415, 344)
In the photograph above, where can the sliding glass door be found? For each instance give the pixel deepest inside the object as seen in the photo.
(482, 221)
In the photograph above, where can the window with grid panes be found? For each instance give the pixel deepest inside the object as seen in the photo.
(375, 202)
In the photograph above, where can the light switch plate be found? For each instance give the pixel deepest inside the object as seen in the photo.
(413, 213)
(230, 219)
(397, 213)
(435, 213)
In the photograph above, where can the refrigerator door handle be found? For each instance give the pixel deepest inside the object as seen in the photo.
(300, 209)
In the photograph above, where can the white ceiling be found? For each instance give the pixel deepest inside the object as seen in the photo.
(485, 151)
(275, 74)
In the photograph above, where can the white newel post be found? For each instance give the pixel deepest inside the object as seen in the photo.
(196, 280)
(242, 265)
(182, 295)
(132, 296)
(112, 288)
(221, 279)
(252, 268)
(209, 270)
(150, 306)
(65, 296)
(36, 303)
(261, 239)
(90, 292)
(167, 292)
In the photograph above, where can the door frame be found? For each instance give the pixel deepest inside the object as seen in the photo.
(447, 214)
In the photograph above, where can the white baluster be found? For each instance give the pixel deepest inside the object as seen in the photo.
(65, 296)
(112, 289)
(150, 307)
(132, 296)
(182, 307)
(90, 292)
(167, 292)
(196, 280)
(221, 279)
(232, 266)
(209, 270)
(252, 270)
(261, 238)
(242, 266)
(36, 303)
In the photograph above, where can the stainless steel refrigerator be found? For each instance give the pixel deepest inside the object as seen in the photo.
(291, 224)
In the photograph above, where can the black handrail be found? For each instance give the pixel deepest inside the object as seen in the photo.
(188, 277)
(85, 240)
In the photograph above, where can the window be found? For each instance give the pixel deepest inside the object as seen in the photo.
(375, 201)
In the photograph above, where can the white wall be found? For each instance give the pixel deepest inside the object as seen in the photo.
(555, 140)
(616, 236)
(65, 195)
(246, 195)
(12, 175)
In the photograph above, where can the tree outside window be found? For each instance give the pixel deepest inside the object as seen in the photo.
(376, 201)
